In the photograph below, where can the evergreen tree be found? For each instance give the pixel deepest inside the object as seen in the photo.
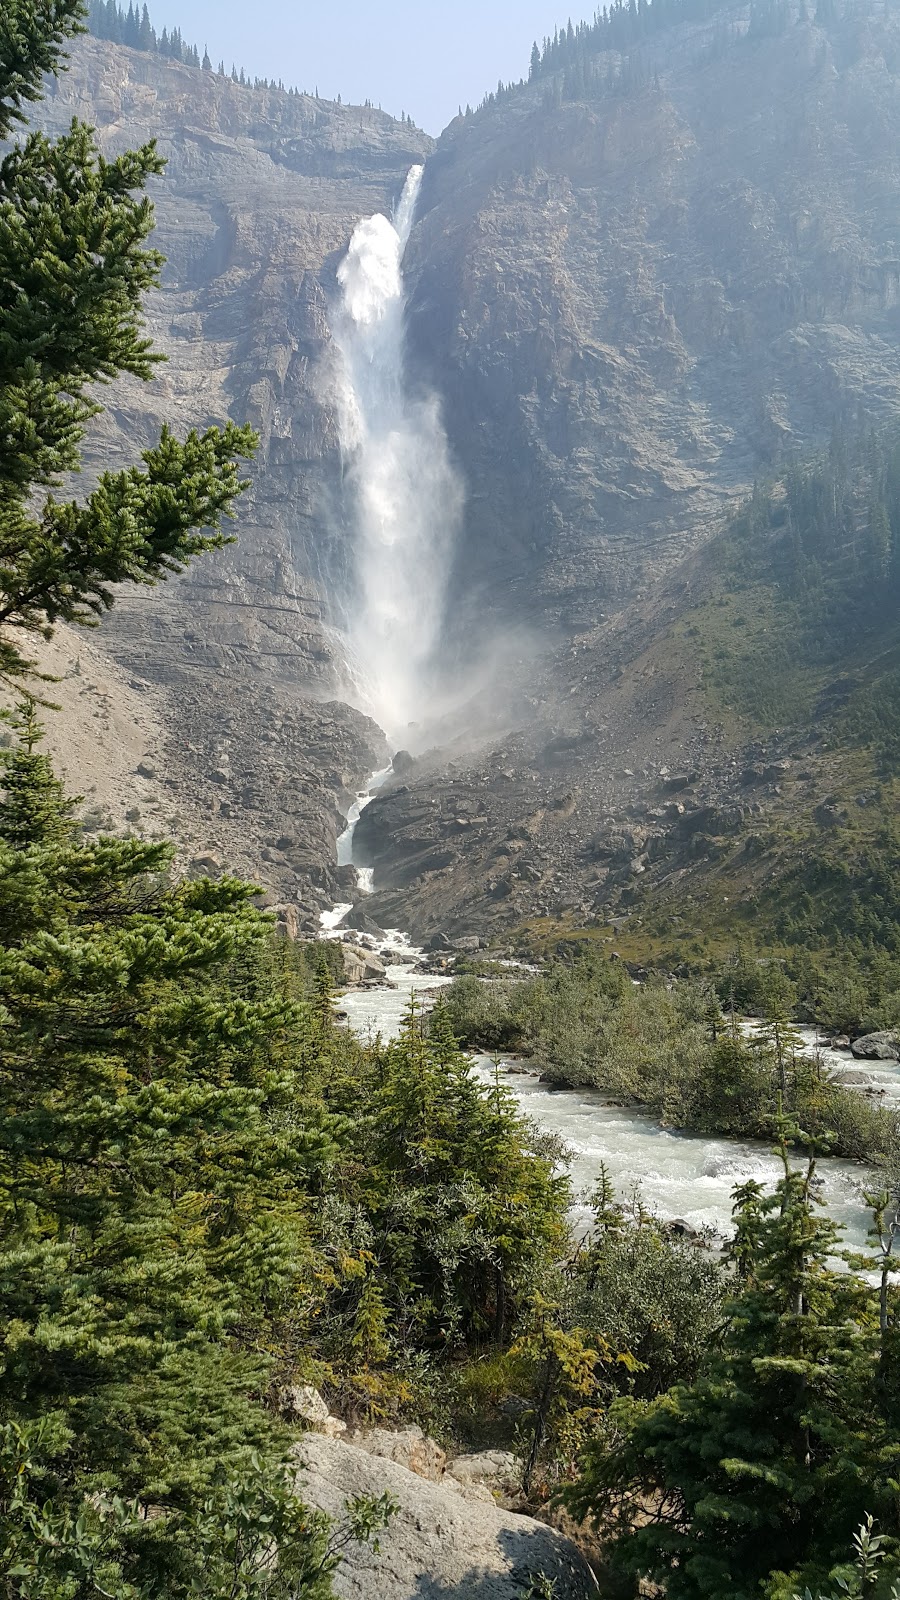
(151, 1176)
(153, 1170)
(760, 1470)
(73, 270)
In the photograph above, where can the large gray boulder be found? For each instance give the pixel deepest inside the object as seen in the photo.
(440, 1545)
(878, 1046)
(362, 966)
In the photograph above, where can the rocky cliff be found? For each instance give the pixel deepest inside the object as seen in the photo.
(261, 192)
(638, 293)
(635, 291)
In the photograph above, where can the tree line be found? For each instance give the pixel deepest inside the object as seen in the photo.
(106, 19)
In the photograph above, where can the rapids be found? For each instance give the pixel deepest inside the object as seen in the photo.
(682, 1176)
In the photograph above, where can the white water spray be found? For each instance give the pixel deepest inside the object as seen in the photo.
(406, 496)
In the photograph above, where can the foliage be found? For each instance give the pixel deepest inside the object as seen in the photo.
(206, 1190)
(73, 270)
(869, 1554)
(752, 1478)
(152, 1171)
(668, 1046)
(649, 1290)
(564, 1369)
(801, 619)
(445, 1214)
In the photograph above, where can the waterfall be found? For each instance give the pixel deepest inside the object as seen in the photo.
(403, 494)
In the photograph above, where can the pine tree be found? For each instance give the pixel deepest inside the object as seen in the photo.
(151, 1177)
(765, 1465)
(153, 1170)
(73, 270)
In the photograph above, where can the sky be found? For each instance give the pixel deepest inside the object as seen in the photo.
(406, 55)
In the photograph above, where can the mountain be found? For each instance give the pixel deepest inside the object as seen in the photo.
(261, 192)
(666, 268)
(638, 292)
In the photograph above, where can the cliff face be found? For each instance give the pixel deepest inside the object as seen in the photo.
(635, 301)
(638, 299)
(632, 299)
(260, 195)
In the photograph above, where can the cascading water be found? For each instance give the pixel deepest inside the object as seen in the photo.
(404, 493)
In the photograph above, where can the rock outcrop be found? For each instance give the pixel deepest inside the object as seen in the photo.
(440, 1545)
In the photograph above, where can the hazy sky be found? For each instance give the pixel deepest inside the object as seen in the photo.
(407, 55)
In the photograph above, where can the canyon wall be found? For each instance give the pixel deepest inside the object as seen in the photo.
(638, 297)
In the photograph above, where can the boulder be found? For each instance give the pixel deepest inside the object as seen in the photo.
(496, 1469)
(408, 1447)
(207, 865)
(361, 966)
(361, 922)
(440, 1545)
(878, 1046)
(403, 761)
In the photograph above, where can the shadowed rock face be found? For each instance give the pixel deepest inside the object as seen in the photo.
(637, 301)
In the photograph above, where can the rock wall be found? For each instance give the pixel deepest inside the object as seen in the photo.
(636, 300)
(261, 192)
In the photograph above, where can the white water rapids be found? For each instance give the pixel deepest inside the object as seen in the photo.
(403, 494)
(681, 1175)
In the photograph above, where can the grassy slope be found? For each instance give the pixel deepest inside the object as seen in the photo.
(792, 636)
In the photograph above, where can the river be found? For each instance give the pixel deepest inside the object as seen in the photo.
(681, 1175)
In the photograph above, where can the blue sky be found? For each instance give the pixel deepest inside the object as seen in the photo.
(409, 55)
